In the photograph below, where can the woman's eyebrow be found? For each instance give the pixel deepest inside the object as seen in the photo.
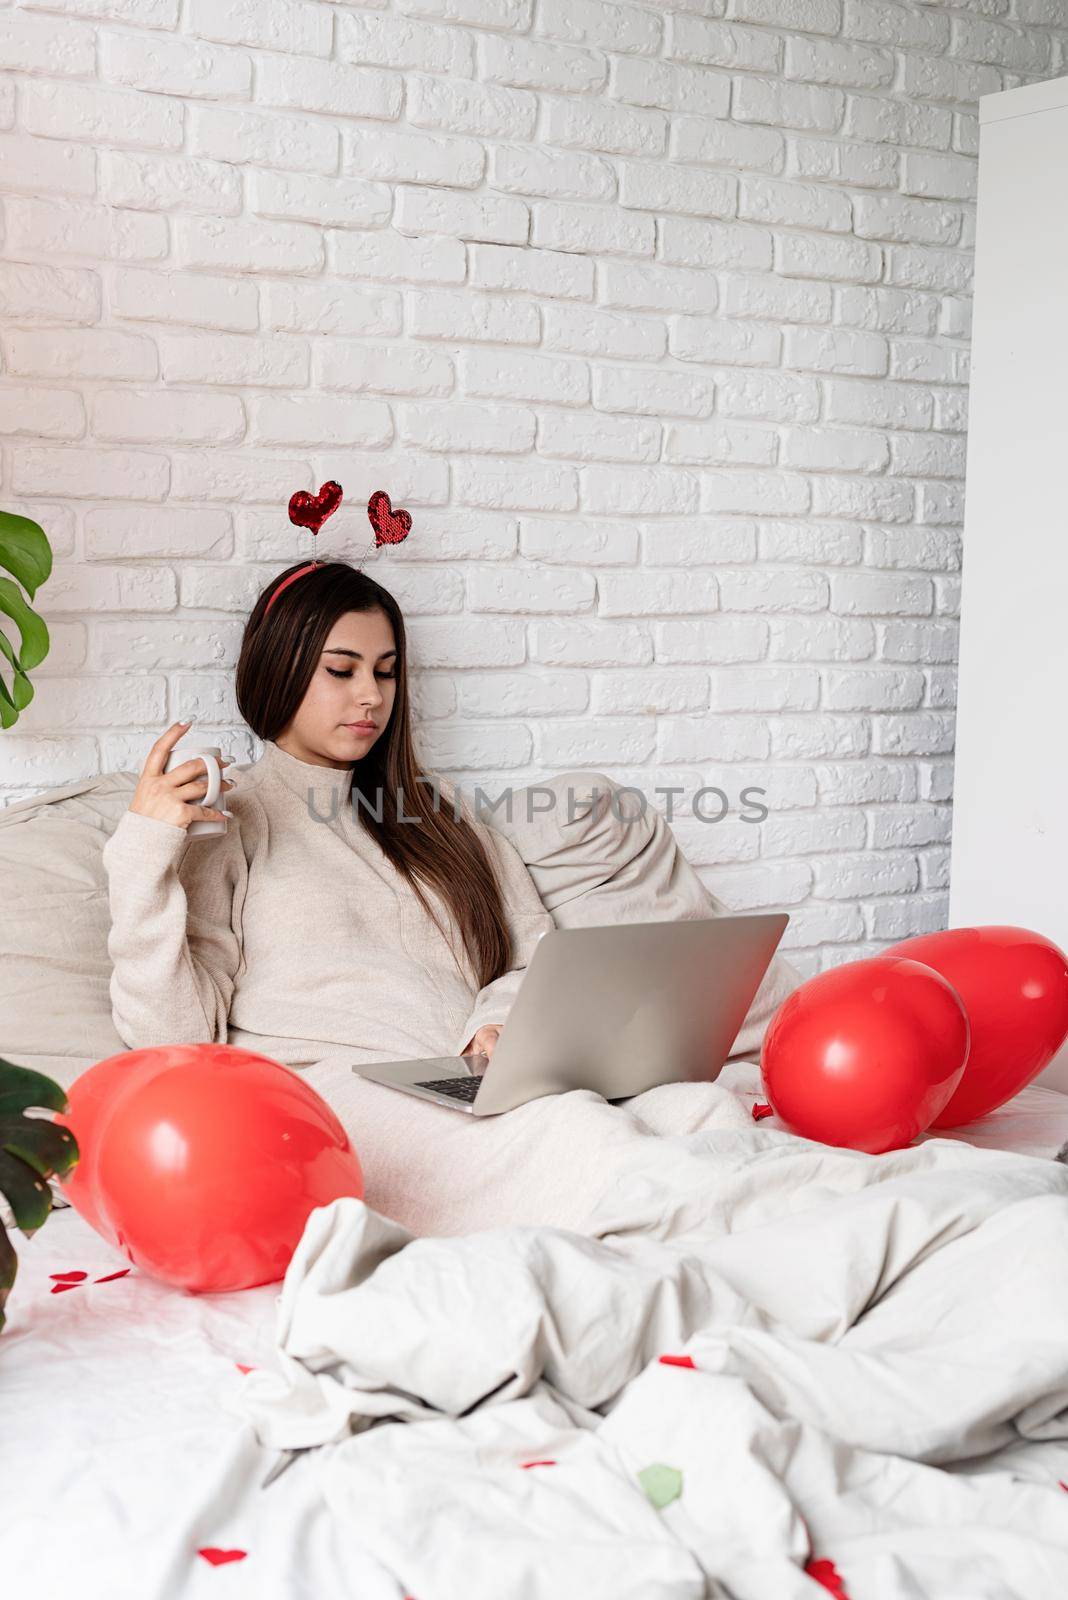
(355, 654)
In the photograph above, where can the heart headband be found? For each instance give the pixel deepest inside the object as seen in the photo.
(311, 511)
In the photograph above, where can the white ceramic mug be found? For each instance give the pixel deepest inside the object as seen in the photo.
(211, 755)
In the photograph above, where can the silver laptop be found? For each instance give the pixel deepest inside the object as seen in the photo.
(616, 1009)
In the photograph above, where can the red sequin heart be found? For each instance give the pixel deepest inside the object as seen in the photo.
(390, 526)
(220, 1558)
(311, 510)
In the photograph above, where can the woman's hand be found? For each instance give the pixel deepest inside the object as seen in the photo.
(484, 1040)
(173, 796)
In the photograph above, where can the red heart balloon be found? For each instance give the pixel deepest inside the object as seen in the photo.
(390, 526)
(1014, 986)
(311, 510)
(865, 1055)
(203, 1162)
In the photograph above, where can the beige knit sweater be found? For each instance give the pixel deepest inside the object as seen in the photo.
(293, 934)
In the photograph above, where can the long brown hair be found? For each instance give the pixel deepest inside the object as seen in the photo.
(279, 654)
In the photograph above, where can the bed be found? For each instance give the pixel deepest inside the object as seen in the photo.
(763, 1368)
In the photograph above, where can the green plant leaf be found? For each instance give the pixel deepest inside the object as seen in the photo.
(21, 1088)
(9, 1266)
(25, 1191)
(47, 1147)
(25, 551)
(27, 555)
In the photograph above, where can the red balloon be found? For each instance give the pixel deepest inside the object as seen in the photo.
(202, 1163)
(865, 1055)
(90, 1100)
(1014, 985)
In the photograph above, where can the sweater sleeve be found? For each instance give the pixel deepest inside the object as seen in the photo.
(527, 920)
(174, 942)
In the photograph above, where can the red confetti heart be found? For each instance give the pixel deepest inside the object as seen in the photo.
(311, 510)
(546, 1463)
(111, 1276)
(61, 1288)
(761, 1110)
(390, 526)
(68, 1277)
(678, 1361)
(825, 1572)
(221, 1558)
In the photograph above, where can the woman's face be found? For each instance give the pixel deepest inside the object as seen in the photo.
(354, 682)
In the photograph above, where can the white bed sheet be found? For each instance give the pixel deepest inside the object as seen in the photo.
(120, 1455)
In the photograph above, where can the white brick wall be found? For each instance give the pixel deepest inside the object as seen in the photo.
(656, 317)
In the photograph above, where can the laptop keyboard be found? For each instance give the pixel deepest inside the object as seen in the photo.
(456, 1088)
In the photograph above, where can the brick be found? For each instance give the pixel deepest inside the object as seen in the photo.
(448, 314)
(590, 229)
(766, 296)
(588, 642)
(242, 478)
(656, 288)
(909, 221)
(559, 174)
(598, 125)
(392, 257)
(402, 43)
(767, 493)
(79, 353)
(407, 157)
(842, 350)
(169, 183)
(532, 590)
(343, 91)
(296, 28)
(239, 246)
(936, 78)
(494, 374)
(788, 105)
(149, 416)
(617, 490)
(898, 26)
(798, 205)
(101, 588)
(770, 396)
(509, 14)
(57, 228)
(589, 437)
(722, 44)
(291, 420)
(381, 369)
(720, 142)
(540, 272)
(138, 13)
(201, 301)
(634, 594)
(46, 166)
(579, 330)
(234, 359)
(835, 449)
(527, 64)
(38, 293)
(838, 62)
(32, 44)
(175, 66)
(325, 202)
(115, 531)
(622, 28)
(527, 485)
(864, 166)
(721, 444)
(158, 644)
(654, 393)
(943, 177)
(97, 114)
(90, 474)
(46, 413)
(462, 107)
(263, 139)
(466, 425)
(498, 218)
(897, 122)
(640, 82)
(864, 499)
(595, 543)
(648, 186)
(722, 339)
(804, 255)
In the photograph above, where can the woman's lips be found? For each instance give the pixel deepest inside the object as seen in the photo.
(361, 727)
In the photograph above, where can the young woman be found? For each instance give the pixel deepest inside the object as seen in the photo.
(357, 908)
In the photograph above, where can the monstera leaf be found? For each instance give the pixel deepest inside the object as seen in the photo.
(32, 1150)
(27, 555)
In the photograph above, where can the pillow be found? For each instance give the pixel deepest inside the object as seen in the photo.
(597, 856)
(598, 862)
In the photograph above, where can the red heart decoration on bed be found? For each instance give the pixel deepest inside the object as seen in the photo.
(220, 1558)
(390, 526)
(311, 510)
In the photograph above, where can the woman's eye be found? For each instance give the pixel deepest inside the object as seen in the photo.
(334, 673)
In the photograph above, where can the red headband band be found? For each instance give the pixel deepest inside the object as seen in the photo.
(293, 576)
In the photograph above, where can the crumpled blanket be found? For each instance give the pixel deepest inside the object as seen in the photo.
(768, 1369)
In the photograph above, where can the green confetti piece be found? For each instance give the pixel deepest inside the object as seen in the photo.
(661, 1484)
